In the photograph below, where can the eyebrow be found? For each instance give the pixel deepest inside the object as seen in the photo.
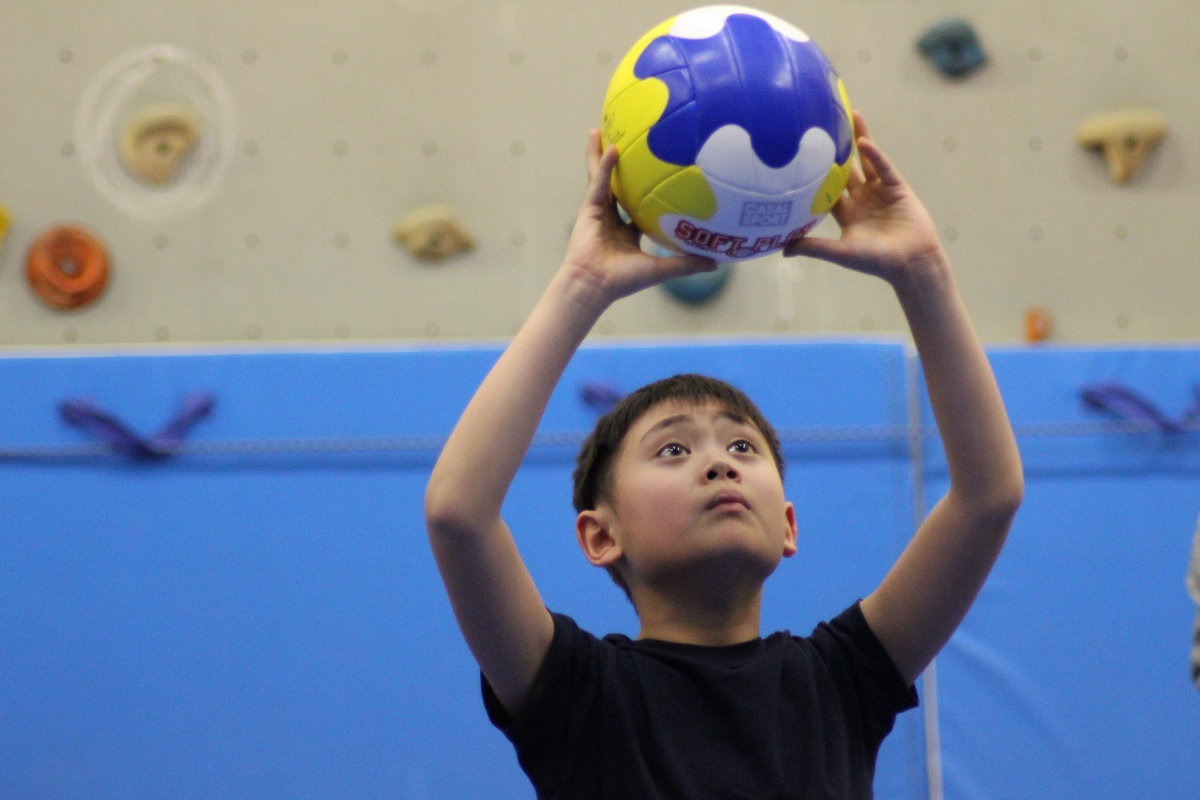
(677, 419)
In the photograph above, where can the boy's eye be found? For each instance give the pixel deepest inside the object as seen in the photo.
(672, 449)
(742, 446)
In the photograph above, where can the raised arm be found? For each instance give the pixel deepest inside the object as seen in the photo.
(886, 231)
(495, 601)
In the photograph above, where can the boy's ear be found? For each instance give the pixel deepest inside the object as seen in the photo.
(789, 541)
(593, 528)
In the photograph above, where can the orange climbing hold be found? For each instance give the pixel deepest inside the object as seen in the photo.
(67, 266)
(1038, 325)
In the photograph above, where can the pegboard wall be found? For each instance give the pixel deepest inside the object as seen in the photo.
(344, 118)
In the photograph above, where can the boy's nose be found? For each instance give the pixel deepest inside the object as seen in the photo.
(721, 469)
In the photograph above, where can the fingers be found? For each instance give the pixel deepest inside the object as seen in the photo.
(878, 163)
(855, 178)
(592, 153)
(600, 167)
(875, 163)
(691, 264)
(865, 165)
(670, 267)
(831, 250)
(860, 125)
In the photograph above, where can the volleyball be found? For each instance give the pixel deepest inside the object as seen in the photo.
(733, 132)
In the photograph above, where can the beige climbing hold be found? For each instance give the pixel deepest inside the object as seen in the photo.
(433, 233)
(1125, 137)
(156, 141)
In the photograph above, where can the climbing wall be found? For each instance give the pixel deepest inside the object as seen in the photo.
(323, 126)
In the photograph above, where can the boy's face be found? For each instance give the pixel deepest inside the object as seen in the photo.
(696, 491)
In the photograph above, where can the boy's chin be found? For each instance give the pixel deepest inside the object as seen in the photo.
(719, 567)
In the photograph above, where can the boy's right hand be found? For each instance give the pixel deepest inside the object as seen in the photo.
(603, 252)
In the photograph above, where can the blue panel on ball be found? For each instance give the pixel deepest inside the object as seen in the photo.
(789, 91)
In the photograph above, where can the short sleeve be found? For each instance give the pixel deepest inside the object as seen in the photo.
(543, 731)
(875, 680)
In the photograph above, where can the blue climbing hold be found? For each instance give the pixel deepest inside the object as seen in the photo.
(698, 288)
(953, 47)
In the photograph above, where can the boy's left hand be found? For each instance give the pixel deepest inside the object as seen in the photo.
(885, 227)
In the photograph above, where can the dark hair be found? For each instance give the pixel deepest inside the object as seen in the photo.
(593, 468)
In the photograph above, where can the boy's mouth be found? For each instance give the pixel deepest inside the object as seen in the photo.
(726, 498)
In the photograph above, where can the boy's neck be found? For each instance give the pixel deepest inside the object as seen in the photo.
(714, 623)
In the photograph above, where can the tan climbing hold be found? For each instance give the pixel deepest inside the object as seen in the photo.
(433, 233)
(1125, 137)
(156, 141)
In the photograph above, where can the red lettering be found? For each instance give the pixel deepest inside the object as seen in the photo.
(708, 240)
(801, 232)
(766, 243)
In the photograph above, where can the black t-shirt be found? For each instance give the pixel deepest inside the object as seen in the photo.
(780, 717)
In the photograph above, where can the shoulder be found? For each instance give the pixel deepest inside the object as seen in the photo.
(574, 659)
(850, 653)
(577, 688)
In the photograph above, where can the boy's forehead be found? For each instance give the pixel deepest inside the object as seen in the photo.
(675, 406)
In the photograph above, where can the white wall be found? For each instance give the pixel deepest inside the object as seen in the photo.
(349, 115)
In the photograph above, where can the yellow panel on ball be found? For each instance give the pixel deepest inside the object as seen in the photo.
(627, 119)
(839, 174)
(687, 189)
(623, 77)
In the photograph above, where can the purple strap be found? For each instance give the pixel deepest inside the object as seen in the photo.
(112, 431)
(600, 396)
(1193, 412)
(1128, 405)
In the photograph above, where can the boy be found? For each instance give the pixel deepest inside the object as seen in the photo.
(686, 509)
